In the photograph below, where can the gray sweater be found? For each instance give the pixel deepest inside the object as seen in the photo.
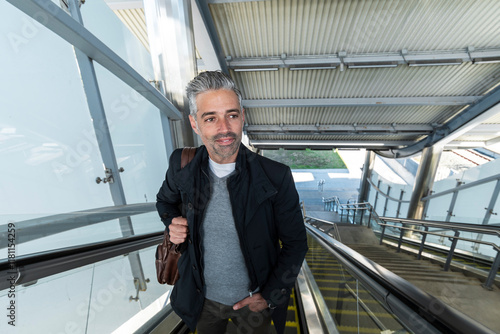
(225, 273)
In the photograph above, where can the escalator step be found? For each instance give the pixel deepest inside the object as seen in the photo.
(353, 329)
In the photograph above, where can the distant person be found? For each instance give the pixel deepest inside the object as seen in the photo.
(238, 207)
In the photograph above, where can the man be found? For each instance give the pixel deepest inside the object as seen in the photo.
(236, 208)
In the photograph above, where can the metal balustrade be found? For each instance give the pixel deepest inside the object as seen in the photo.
(355, 213)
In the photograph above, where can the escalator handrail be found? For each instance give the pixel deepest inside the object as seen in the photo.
(32, 267)
(447, 318)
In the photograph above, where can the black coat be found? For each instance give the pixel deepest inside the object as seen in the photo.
(266, 210)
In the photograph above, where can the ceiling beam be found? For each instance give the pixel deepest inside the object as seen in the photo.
(366, 60)
(363, 102)
(320, 144)
(212, 34)
(470, 117)
(483, 128)
(345, 129)
(209, 60)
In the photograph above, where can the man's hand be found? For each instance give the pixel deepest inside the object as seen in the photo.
(178, 230)
(256, 303)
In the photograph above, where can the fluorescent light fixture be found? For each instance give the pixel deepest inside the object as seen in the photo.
(313, 68)
(415, 63)
(492, 60)
(255, 69)
(371, 65)
(326, 143)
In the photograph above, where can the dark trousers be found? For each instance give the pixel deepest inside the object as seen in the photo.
(214, 319)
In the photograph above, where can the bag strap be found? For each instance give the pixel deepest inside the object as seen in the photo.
(187, 155)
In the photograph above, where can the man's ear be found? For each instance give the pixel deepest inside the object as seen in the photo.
(192, 120)
(243, 114)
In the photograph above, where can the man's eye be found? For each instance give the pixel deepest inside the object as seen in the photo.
(234, 116)
(210, 119)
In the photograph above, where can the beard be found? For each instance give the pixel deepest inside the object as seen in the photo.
(225, 151)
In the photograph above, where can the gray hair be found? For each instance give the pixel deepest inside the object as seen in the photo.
(209, 80)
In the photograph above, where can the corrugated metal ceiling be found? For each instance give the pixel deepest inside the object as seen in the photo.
(340, 28)
(313, 27)
(291, 28)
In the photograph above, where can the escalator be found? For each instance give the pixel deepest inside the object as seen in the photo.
(95, 287)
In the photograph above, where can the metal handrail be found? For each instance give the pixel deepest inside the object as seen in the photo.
(463, 186)
(36, 228)
(33, 267)
(454, 239)
(384, 194)
(444, 226)
(495, 246)
(484, 229)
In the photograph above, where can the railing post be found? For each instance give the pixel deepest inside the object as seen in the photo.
(370, 217)
(382, 235)
(354, 214)
(400, 238)
(376, 195)
(341, 214)
(387, 199)
(452, 203)
(362, 215)
(493, 272)
(452, 250)
(399, 203)
(423, 243)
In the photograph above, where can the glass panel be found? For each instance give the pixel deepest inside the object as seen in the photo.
(47, 142)
(101, 21)
(92, 299)
(438, 208)
(472, 202)
(77, 231)
(137, 138)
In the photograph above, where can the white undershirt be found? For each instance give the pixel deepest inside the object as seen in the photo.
(221, 170)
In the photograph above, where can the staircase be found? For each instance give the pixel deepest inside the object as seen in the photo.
(408, 267)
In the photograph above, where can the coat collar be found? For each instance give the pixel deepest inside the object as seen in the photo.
(249, 173)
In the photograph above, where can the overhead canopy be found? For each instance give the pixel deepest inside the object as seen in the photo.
(390, 75)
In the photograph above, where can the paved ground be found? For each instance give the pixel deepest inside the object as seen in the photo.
(343, 183)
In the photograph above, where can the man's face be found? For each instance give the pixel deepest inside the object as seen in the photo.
(219, 123)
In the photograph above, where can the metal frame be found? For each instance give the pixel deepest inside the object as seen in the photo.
(368, 60)
(212, 33)
(456, 228)
(326, 144)
(33, 229)
(363, 102)
(469, 117)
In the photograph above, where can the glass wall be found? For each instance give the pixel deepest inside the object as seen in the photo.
(51, 157)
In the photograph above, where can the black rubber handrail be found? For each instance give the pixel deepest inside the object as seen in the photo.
(29, 268)
(440, 315)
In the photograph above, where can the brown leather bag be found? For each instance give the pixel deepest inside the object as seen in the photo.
(167, 253)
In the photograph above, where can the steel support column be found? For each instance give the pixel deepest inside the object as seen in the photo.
(99, 120)
(423, 181)
(364, 186)
(171, 40)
